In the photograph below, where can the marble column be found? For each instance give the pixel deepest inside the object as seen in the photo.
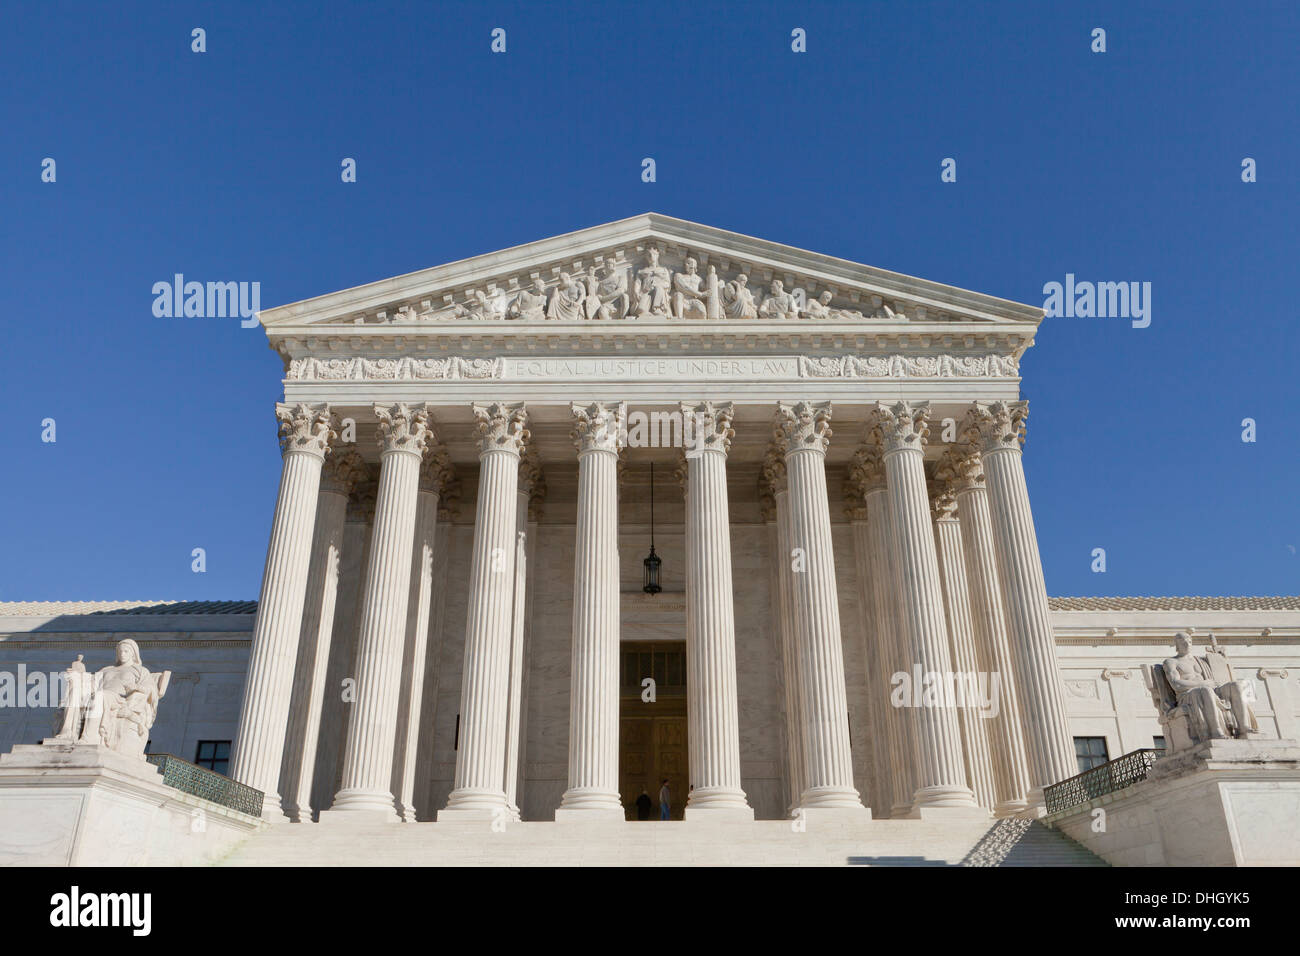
(774, 474)
(479, 793)
(435, 470)
(874, 641)
(305, 434)
(900, 430)
(962, 468)
(868, 470)
(802, 431)
(343, 470)
(366, 787)
(592, 794)
(971, 682)
(998, 428)
(712, 707)
(531, 485)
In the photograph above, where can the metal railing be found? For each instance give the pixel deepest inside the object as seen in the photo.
(1113, 775)
(208, 784)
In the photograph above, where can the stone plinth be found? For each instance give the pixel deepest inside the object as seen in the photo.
(66, 804)
(1221, 803)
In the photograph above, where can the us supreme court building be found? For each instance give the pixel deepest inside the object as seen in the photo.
(656, 501)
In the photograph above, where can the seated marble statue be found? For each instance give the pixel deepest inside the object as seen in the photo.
(612, 301)
(737, 300)
(652, 287)
(778, 304)
(529, 306)
(566, 300)
(688, 293)
(121, 704)
(1208, 697)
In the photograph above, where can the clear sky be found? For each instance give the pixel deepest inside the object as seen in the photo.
(225, 165)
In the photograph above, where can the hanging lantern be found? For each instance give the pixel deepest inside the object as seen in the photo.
(652, 561)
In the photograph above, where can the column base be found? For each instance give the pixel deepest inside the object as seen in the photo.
(590, 800)
(720, 813)
(1010, 808)
(831, 798)
(470, 805)
(359, 805)
(945, 797)
(718, 800)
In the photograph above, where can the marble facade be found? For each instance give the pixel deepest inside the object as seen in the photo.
(455, 557)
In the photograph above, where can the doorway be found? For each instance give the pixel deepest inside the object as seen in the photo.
(652, 741)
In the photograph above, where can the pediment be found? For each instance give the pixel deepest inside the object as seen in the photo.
(626, 276)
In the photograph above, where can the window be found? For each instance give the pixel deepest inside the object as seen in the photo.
(213, 754)
(1158, 743)
(1090, 752)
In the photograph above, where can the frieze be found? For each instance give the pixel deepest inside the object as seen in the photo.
(752, 368)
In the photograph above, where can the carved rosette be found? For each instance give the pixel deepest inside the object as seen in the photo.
(802, 426)
(343, 472)
(996, 426)
(709, 427)
(436, 470)
(306, 428)
(403, 428)
(901, 426)
(599, 426)
(502, 426)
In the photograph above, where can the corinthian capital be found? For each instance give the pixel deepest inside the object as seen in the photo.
(599, 426)
(343, 472)
(436, 470)
(403, 427)
(867, 470)
(306, 428)
(708, 426)
(960, 469)
(900, 426)
(502, 426)
(943, 502)
(993, 426)
(802, 426)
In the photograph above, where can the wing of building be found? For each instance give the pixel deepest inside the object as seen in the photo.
(461, 617)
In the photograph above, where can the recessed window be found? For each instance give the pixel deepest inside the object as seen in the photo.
(213, 754)
(1090, 752)
(1158, 743)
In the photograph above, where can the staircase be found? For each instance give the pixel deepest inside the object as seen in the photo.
(683, 843)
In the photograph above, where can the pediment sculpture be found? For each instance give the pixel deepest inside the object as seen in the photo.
(1198, 698)
(603, 292)
(116, 706)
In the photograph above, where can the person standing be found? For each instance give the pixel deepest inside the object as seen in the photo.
(643, 805)
(665, 801)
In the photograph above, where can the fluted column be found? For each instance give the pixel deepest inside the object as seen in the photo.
(305, 434)
(479, 789)
(774, 473)
(531, 485)
(342, 471)
(992, 643)
(869, 470)
(366, 785)
(802, 431)
(999, 429)
(435, 470)
(592, 794)
(874, 640)
(711, 703)
(971, 681)
(900, 430)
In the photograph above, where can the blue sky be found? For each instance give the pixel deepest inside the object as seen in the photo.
(1122, 166)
